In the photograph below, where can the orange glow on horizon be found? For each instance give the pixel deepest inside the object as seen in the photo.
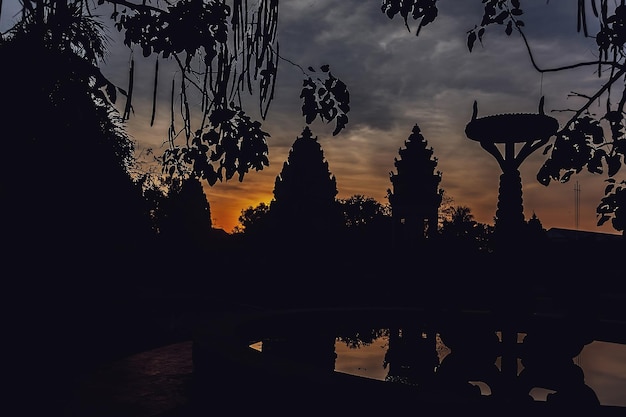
(227, 203)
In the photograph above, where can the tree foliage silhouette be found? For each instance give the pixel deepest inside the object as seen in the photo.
(223, 50)
(361, 211)
(184, 215)
(368, 224)
(463, 231)
(66, 148)
(75, 225)
(588, 141)
(252, 219)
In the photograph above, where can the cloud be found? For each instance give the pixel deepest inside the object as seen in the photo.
(396, 80)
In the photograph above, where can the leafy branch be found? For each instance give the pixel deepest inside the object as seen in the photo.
(238, 52)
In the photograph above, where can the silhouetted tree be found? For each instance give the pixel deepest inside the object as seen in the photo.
(230, 38)
(368, 224)
(585, 141)
(463, 231)
(304, 207)
(185, 214)
(75, 225)
(535, 231)
(361, 214)
(362, 336)
(253, 219)
(255, 227)
(446, 208)
(68, 149)
(416, 195)
(360, 211)
(155, 194)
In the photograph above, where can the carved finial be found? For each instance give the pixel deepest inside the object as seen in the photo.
(541, 105)
(475, 110)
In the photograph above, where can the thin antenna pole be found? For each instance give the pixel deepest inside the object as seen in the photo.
(576, 204)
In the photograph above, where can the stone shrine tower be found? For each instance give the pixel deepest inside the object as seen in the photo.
(416, 197)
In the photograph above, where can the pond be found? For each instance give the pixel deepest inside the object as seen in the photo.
(426, 358)
(603, 364)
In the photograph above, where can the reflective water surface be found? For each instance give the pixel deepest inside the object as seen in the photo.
(548, 364)
(603, 365)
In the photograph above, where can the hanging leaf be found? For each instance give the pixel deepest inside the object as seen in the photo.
(603, 219)
(131, 75)
(547, 149)
(111, 92)
(500, 17)
(471, 38)
(614, 164)
(509, 28)
(154, 91)
(341, 121)
(172, 130)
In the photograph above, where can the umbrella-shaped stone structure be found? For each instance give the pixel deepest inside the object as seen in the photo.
(529, 131)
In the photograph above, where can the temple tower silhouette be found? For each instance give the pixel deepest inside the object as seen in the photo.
(416, 197)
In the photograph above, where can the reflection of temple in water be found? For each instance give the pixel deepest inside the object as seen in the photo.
(297, 362)
(546, 361)
(411, 356)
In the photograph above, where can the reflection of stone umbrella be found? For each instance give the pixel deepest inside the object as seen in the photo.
(531, 129)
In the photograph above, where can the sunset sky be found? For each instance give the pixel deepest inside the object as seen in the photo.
(397, 80)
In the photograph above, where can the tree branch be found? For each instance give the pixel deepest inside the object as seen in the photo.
(565, 67)
(136, 7)
(289, 61)
(597, 95)
(622, 102)
(590, 100)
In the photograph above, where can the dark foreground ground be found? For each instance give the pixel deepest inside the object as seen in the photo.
(83, 357)
(147, 384)
(159, 382)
